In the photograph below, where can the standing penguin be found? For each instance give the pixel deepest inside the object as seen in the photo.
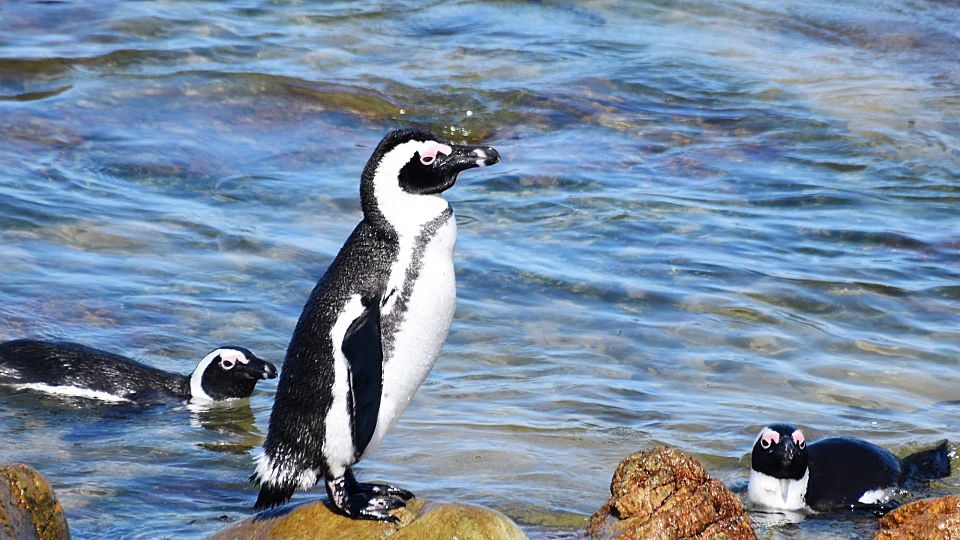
(837, 473)
(371, 330)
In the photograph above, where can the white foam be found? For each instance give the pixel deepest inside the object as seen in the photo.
(877, 496)
(72, 391)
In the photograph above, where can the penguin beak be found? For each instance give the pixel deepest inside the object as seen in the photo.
(259, 370)
(789, 452)
(466, 157)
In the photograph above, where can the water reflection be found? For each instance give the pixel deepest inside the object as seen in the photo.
(710, 216)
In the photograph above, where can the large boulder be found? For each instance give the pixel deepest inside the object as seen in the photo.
(28, 507)
(664, 494)
(420, 520)
(926, 519)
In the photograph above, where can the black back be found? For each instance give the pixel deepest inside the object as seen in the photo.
(26, 361)
(299, 409)
(842, 469)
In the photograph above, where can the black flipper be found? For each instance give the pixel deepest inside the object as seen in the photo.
(926, 465)
(363, 350)
(271, 496)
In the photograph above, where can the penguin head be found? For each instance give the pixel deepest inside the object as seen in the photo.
(229, 373)
(780, 451)
(410, 168)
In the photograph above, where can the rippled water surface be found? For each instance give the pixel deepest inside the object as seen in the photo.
(710, 215)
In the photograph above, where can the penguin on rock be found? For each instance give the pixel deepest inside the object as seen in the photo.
(370, 331)
(838, 473)
(72, 369)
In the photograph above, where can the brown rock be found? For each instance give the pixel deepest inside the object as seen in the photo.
(420, 520)
(926, 519)
(665, 494)
(28, 507)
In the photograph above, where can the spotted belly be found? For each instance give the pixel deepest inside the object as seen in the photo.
(418, 335)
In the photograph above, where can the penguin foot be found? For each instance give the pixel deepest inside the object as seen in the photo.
(377, 488)
(352, 499)
(385, 489)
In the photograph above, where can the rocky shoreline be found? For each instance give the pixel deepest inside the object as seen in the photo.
(657, 493)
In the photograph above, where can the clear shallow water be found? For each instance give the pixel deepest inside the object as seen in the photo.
(709, 216)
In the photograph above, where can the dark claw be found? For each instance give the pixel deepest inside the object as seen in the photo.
(386, 489)
(385, 503)
(377, 515)
(365, 501)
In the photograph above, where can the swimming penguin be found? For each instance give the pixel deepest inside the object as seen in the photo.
(371, 329)
(72, 369)
(838, 473)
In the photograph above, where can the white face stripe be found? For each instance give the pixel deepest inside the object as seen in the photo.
(406, 212)
(196, 388)
(338, 437)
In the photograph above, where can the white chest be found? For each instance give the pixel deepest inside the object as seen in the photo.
(771, 493)
(424, 326)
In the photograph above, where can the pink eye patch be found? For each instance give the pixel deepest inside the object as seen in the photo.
(230, 359)
(798, 438)
(430, 150)
(768, 438)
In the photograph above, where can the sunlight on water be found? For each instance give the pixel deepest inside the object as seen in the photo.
(709, 216)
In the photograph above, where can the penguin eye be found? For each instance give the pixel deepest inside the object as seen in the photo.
(227, 363)
(426, 160)
(798, 438)
(765, 443)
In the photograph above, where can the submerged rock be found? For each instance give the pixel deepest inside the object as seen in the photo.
(927, 519)
(28, 507)
(420, 520)
(665, 494)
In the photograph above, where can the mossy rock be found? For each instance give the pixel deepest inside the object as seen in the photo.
(28, 507)
(420, 520)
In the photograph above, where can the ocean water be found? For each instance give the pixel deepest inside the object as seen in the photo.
(709, 216)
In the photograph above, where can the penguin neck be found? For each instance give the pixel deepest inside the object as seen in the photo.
(195, 388)
(406, 214)
(772, 493)
(383, 200)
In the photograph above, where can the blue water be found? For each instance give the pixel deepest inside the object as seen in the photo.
(710, 215)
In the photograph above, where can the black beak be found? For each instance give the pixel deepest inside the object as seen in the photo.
(258, 369)
(467, 157)
(789, 452)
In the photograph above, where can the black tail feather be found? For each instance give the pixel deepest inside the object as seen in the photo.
(926, 465)
(272, 496)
